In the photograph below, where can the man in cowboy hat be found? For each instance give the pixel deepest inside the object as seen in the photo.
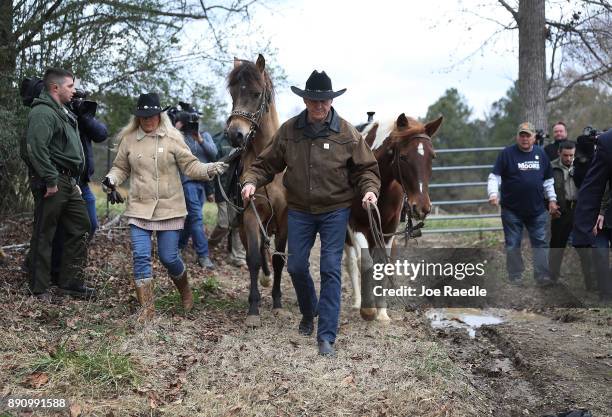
(327, 163)
(55, 156)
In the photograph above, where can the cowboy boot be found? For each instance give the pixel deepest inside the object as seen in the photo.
(182, 284)
(144, 293)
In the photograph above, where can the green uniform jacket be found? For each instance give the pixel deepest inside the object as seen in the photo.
(53, 140)
(324, 173)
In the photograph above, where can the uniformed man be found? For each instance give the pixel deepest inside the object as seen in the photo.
(56, 158)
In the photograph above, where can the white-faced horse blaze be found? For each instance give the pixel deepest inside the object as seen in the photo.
(251, 125)
(404, 152)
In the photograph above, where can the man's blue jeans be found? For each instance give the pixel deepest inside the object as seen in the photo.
(303, 228)
(195, 196)
(167, 248)
(513, 224)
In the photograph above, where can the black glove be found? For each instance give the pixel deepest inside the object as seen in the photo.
(111, 192)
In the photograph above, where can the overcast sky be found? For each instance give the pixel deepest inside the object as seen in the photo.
(392, 56)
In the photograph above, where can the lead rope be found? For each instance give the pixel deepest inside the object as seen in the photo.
(375, 221)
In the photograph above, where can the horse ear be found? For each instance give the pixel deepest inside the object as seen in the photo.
(432, 127)
(237, 62)
(402, 120)
(261, 63)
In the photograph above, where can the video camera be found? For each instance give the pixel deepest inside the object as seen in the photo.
(31, 88)
(82, 107)
(187, 115)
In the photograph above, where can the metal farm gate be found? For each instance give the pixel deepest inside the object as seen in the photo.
(485, 169)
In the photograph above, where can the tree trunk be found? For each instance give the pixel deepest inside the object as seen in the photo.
(532, 62)
(7, 48)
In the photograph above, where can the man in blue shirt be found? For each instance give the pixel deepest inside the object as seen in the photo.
(524, 174)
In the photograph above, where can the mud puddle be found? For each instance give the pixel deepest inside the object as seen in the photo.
(471, 319)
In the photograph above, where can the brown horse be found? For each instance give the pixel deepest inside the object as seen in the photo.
(250, 127)
(404, 153)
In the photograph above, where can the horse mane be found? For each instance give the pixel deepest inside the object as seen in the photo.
(388, 130)
(249, 74)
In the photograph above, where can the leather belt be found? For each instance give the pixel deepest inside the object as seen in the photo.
(64, 171)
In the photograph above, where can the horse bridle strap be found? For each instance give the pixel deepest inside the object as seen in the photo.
(255, 117)
(410, 231)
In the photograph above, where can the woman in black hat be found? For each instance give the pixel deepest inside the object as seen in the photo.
(151, 152)
(327, 162)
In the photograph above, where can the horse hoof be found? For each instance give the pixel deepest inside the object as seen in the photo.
(368, 314)
(253, 321)
(356, 305)
(265, 280)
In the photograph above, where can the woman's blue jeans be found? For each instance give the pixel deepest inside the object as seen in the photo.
(167, 248)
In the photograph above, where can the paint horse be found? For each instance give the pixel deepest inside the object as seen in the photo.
(404, 152)
(250, 127)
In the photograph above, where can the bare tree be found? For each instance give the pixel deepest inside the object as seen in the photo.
(121, 47)
(580, 43)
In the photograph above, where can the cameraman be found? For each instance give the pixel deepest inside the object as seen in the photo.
(90, 129)
(588, 207)
(203, 147)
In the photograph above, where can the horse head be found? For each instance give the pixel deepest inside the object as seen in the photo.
(252, 91)
(412, 155)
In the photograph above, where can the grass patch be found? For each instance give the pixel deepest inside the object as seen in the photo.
(102, 368)
(434, 363)
(210, 215)
(452, 224)
(211, 284)
(171, 301)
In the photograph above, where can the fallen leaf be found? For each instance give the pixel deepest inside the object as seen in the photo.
(75, 410)
(37, 379)
(349, 380)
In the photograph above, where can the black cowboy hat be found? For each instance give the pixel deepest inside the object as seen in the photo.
(148, 105)
(318, 87)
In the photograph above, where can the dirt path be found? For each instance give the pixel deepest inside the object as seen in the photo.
(210, 364)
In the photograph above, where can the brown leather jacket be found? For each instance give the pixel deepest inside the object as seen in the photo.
(325, 171)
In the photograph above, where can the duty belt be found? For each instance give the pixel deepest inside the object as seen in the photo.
(64, 171)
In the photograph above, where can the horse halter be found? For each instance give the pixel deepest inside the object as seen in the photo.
(410, 229)
(254, 117)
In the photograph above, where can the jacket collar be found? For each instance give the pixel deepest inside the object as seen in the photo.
(556, 163)
(141, 134)
(332, 120)
(63, 111)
